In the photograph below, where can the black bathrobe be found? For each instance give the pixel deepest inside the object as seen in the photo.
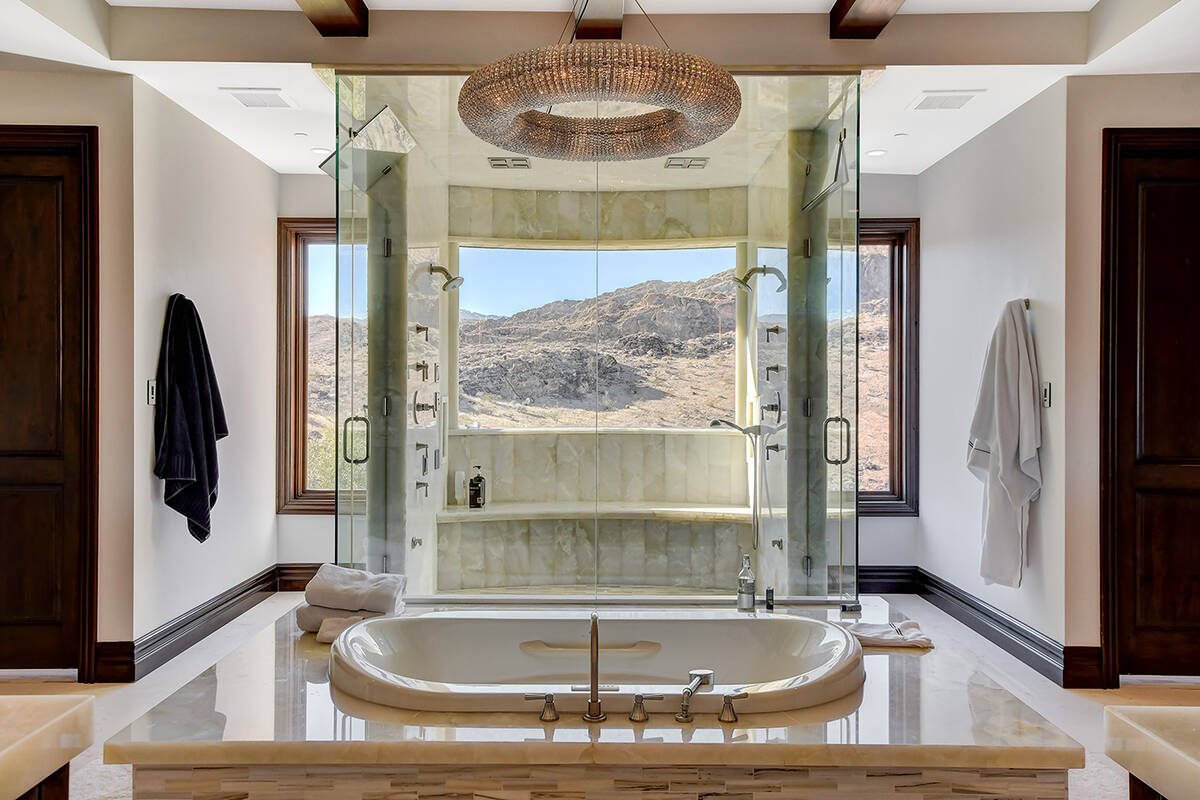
(188, 417)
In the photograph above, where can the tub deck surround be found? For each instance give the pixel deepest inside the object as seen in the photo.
(1159, 745)
(39, 734)
(266, 716)
(482, 660)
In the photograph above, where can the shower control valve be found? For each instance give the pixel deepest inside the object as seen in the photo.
(549, 711)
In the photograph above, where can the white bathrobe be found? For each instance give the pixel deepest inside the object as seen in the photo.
(1003, 448)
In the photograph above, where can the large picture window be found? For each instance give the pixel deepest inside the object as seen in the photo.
(307, 366)
(547, 337)
(887, 363)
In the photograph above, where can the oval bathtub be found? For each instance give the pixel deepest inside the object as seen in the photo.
(489, 660)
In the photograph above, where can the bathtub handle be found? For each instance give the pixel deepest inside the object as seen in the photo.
(539, 647)
(549, 711)
(727, 713)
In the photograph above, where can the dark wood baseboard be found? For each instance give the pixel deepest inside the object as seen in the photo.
(1070, 667)
(294, 577)
(122, 662)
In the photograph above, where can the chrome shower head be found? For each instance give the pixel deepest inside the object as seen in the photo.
(744, 281)
(452, 281)
(724, 423)
(744, 285)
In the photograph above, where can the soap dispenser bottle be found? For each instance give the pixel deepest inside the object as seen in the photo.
(477, 489)
(745, 585)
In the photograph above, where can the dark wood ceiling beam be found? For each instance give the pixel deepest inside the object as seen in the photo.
(336, 17)
(861, 19)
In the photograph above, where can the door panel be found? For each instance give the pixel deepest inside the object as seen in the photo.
(46, 482)
(1153, 184)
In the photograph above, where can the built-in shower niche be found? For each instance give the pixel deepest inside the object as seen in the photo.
(572, 329)
(660, 509)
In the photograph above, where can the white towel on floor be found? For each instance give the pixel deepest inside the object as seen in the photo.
(1002, 451)
(890, 634)
(354, 589)
(331, 627)
(310, 618)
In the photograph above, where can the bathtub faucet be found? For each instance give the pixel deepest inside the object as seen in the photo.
(699, 677)
(595, 711)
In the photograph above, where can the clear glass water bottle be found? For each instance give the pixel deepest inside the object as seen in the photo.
(745, 586)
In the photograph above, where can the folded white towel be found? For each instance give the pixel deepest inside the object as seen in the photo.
(309, 618)
(890, 634)
(331, 627)
(354, 589)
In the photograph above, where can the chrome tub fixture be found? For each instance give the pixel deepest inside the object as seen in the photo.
(595, 711)
(696, 101)
(699, 677)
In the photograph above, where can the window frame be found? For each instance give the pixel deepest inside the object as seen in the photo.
(903, 235)
(291, 493)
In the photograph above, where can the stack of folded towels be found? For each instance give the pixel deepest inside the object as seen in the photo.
(337, 597)
(890, 634)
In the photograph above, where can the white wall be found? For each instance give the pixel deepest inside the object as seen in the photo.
(306, 538)
(993, 229)
(1094, 103)
(204, 225)
(888, 540)
(85, 98)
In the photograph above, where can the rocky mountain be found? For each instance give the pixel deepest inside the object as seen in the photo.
(657, 354)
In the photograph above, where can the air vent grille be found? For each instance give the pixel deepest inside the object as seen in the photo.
(257, 97)
(945, 100)
(686, 162)
(508, 162)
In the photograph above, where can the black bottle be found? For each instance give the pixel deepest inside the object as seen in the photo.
(477, 489)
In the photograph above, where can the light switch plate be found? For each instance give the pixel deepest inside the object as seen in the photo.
(151, 392)
(1045, 394)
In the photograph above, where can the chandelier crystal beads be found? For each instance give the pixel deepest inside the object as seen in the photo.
(697, 101)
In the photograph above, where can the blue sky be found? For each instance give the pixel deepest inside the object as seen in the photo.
(503, 281)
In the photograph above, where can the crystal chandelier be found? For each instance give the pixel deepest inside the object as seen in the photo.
(696, 99)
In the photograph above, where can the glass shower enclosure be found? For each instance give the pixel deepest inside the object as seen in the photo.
(651, 364)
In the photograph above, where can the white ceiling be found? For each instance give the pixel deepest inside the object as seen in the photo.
(652, 6)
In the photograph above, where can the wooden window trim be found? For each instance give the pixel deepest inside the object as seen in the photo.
(291, 495)
(904, 236)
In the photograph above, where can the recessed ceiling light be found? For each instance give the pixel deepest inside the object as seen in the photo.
(321, 151)
(300, 135)
(898, 135)
(874, 153)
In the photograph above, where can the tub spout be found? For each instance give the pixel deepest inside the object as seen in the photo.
(595, 711)
(699, 677)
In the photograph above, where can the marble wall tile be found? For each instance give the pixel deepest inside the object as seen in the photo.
(527, 225)
(524, 490)
(633, 473)
(720, 464)
(589, 487)
(542, 474)
(516, 548)
(654, 467)
(567, 455)
(608, 548)
(541, 552)
(675, 467)
(496, 539)
(696, 479)
(726, 554)
(609, 468)
(679, 553)
(471, 556)
(703, 555)
(565, 564)
(500, 470)
(655, 549)
(585, 550)
(633, 551)
(449, 550)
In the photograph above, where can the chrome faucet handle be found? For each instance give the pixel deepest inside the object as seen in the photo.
(727, 713)
(549, 711)
(638, 714)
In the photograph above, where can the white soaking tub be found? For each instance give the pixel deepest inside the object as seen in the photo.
(489, 660)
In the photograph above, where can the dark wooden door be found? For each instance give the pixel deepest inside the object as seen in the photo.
(1152, 404)
(47, 483)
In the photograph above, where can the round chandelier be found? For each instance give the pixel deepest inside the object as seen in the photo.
(696, 101)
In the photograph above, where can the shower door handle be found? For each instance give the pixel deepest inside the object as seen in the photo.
(346, 440)
(841, 459)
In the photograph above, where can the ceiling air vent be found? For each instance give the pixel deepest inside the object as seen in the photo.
(945, 99)
(508, 162)
(257, 97)
(686, 162)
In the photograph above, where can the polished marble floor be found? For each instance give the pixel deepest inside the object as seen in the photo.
(1078, 713)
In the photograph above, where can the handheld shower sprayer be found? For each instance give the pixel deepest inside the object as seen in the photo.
(744, 281)
(452, 281)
